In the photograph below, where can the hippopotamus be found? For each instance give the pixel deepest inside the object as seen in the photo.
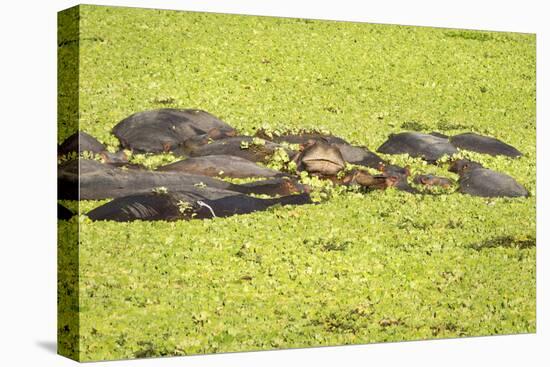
(92, 180)
(301, 138)
(425, 146)
(221, 166)
(430, 180)
(320, 158)
(352, 154)
(365, 179)
(247, 147)
(479, 181)
(359, 155)
(189, 203)
(83, 142)
(63, 213)
(484, 144)
(166, 129)
(80, 142)
(398, 177)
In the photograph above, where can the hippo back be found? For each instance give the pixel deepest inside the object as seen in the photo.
(164, 129)
(484, 144)
(240, 146)
(221, 166)
(359, 155)
(80, 142)
(487, 183)
(425, 146)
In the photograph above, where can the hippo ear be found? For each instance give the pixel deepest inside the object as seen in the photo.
(381, 167)
(407, 170)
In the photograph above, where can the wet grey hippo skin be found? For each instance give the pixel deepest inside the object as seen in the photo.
(321, 158)
(439, 135)
(221, 166)
(84, 142)
(479, 181)
(359, 155)
(63, 213)
(101, 181)
(80, 142)
(351, 153)
(484, 144)
(431, 180)
(237, 146)
(192, 203)
(166, 129)
(300, 138)
(425, 146)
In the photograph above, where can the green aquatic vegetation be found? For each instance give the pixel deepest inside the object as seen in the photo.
(161, 190)
(280, 161)
(241, 180)
(79, 155)
(355, 267)
(153, 161)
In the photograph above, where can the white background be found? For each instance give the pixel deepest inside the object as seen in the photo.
(28, 172)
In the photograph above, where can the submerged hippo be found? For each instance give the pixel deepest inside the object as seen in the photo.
(430, 180)
(479, 181)
(301, 138)
(253, 149)
(398, 177)
(80, 142)
(190, 203)
(92, 180)
(320, 158)
(365, 179)
(425, 146)
(484, 144)
(221, 166)
(359, 155)
(165, 130)
(83, 142)
(63, 213)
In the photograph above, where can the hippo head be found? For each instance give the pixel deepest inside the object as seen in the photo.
(365, 179)
(397, 177)
(430, 180)
(322, 158)
(427, 180)
(462, 166)
(396, 172)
